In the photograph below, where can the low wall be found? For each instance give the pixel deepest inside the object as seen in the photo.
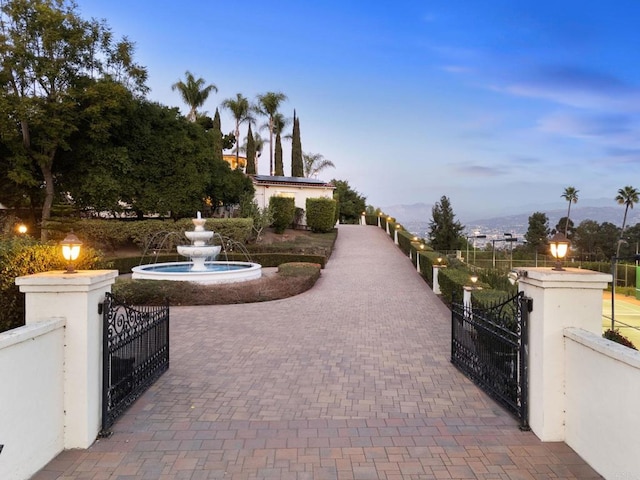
(602, 410)
(31, 397)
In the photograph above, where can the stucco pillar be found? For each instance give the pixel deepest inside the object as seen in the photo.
(363, 219)
(561, 299)
(74, 296)
(436, 282)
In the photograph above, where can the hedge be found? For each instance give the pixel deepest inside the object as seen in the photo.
(321, 214)
(284, 210)
(110, 235)
(25, 256)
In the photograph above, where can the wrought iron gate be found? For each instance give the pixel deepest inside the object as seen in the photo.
(135, 346)
(490, 346)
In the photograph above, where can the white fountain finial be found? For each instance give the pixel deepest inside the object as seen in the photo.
(198, 215)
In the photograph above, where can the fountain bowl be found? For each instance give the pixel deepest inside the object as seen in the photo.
(214, 273)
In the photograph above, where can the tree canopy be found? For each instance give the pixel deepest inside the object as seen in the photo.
(445, 232)
(538, 232)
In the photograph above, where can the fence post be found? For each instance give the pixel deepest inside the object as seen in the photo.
(76, 297)
(436, 283)
(561, 299)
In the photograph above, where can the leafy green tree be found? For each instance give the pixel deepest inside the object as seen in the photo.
(570, 194)
(268, 105)
(537, 232)
(314, 163)
(241, 110)
(51, 59)
(627, 196)
(194, 93)
(607, 239)
(280, 122)
(217, 138)
(585, 239)
(251, 153)
(565, 225)
(279, 166)
(445, 232)
(350, 203)
(297, 164)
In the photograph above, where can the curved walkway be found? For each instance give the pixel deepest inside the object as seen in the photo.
(350, 380)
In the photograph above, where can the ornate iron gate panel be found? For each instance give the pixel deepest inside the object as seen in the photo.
(135, 353)
(490, 345)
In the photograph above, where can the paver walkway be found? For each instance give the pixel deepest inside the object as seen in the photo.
(350, 380)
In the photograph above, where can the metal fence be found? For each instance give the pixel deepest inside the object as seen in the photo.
(135, 354)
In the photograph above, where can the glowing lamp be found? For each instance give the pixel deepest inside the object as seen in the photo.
(22, 229)
(474, 279)
(71, 250)
(559, 246)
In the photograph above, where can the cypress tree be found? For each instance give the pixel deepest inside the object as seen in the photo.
(251, 153)
(277, 154)
(216, 132)
(297, 165)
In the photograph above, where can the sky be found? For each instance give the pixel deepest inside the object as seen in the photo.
(497, 104)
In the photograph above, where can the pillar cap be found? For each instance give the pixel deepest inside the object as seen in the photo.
(81, 279)
(566, 278)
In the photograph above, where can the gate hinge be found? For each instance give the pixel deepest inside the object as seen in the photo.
(100, 308)
(529, 302)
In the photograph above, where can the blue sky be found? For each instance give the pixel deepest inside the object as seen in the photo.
(498, 104)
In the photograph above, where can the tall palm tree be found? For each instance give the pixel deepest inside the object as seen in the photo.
(241, 110)
(194, 93)
(627, 196)
(570, 195)
(268, 104)
(314, 163)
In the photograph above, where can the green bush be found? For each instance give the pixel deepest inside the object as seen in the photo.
(111, 235)
(300, 269)
(321, 214)
(451, 281)
(284, 210)
(616, 336)
(25, 256)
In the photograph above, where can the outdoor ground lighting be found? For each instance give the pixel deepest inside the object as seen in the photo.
(474, 279)
(559, 245)
(71, 250)
(22, 229)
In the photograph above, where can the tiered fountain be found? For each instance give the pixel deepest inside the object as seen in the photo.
(199, 269)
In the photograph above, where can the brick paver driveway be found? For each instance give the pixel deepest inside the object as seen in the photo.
(350, 380)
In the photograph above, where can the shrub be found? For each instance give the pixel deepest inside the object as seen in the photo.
(284, 210)
(451, 281)
(616, 336)
(25, 256)
(321, 214)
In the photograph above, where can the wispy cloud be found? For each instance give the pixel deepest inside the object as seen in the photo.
(577, 87)
(474, 170)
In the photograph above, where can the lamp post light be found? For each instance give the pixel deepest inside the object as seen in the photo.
(22, 229)
(559, 246)
(474, 236)
(71, 250)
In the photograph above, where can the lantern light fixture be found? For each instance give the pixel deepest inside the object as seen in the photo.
(71, 250)
(559, 246)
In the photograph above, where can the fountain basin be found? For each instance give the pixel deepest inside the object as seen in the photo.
(215, 272)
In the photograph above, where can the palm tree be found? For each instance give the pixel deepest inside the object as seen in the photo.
(314, 163)
(194, 93)
(570, 195)
(241, 110)
(268, 104)
(627, 196)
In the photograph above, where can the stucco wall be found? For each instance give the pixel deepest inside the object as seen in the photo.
(602, 403)
(31, 397)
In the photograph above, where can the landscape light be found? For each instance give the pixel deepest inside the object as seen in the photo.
(559, 246)
(474, 279)
(71, 250)
(22, 229)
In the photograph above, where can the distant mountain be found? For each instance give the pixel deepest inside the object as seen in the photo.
(417, 216)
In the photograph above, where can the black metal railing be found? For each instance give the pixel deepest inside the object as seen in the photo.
(135, 354)
(490, 346)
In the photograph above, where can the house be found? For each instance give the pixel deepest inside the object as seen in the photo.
(298, 188)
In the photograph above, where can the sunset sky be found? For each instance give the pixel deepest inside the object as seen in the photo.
(497, 104)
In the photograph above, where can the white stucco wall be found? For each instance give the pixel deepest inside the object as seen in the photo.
(603, 403)
(300, 194)
(31, 397)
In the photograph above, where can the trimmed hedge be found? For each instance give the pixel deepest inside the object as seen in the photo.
(284, 211)
(112, 234)
(25, 256)
(451, 281)
(321, 214)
